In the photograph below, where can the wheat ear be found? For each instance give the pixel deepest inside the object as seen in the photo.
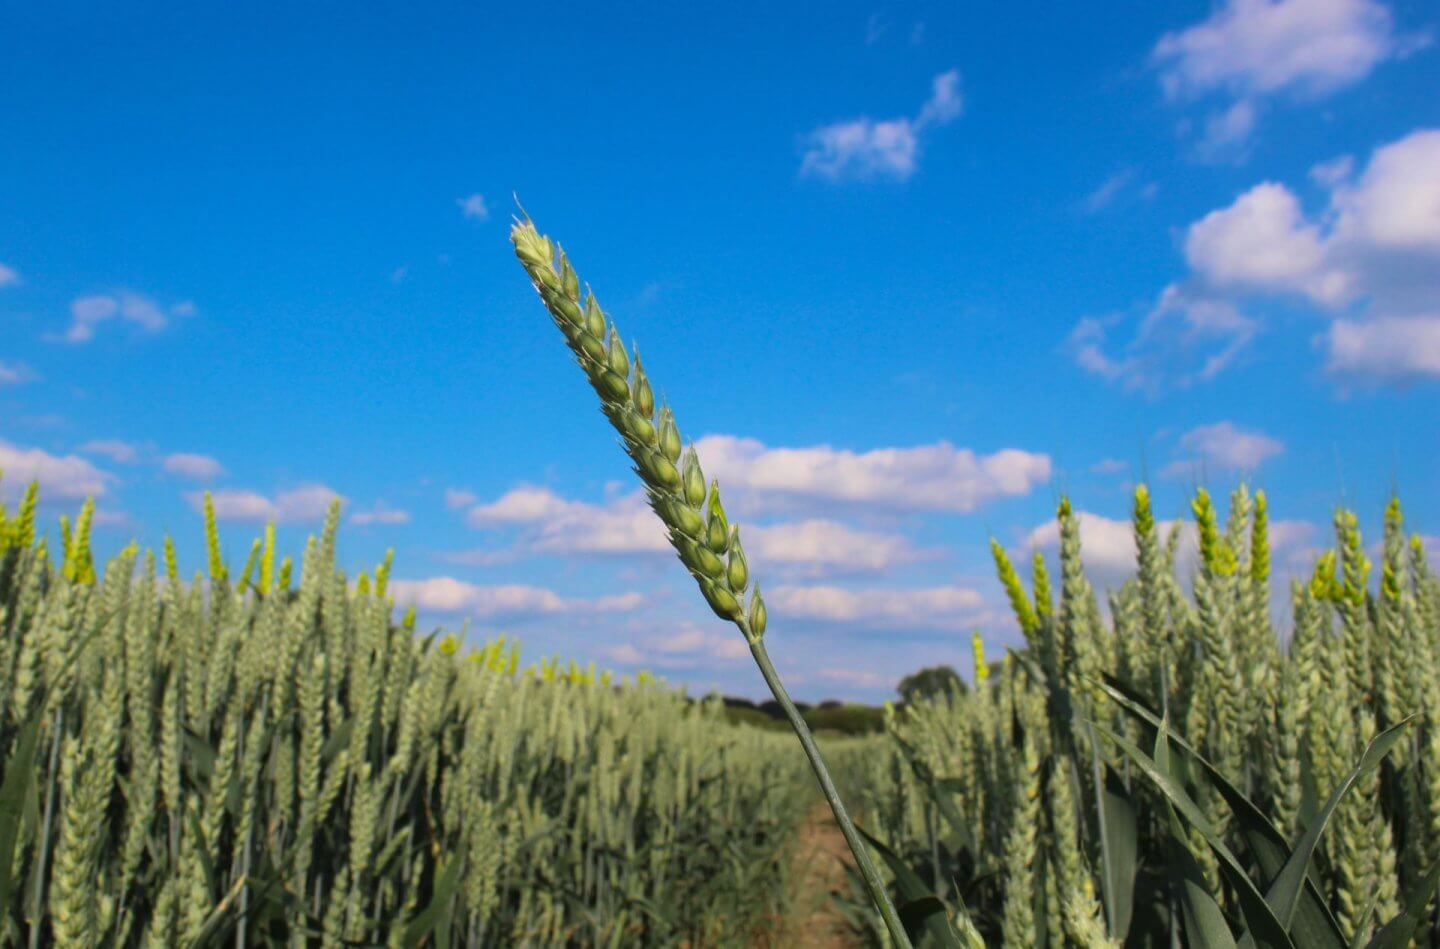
(708, 546)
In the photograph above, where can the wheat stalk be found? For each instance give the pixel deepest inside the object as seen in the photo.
(708, 546)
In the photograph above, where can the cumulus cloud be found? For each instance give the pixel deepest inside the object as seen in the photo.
(508, 601)
(936, 477)
(472, 206)
(1396, 350)
(556, 525)
(866, 148)
(1222, 447)
(818, 547)
(380, 513)
(625, 525)
(1370, 260)
(922, 608)
(1263, 241)
(88, 312)
(65, 477)
(190, 465)
(306, 503)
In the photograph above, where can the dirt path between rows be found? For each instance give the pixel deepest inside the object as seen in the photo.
(816, 872)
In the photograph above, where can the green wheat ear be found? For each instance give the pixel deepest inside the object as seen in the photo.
(675, 485)
(674, 481)
(212, 541)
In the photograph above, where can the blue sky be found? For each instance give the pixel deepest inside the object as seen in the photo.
(905, 272)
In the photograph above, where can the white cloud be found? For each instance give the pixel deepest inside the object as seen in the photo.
(380, 513)
(1329, 174)
(1371, 259)
(190, 465)
(1222, 447)
(117, 451)
(305, 503)
(456, 498)
(555, 525)
(1108, 466)
(1263, 241)
(942, 608)
(89, 311)
(8, 276)
(60, 476)
(1182, 340)
(448, 595)
(472, 206)
(625, 654)
(1395, 206)
(625, 525)
(816, 547)
(1394, 350)
(865, 148)
(1125, 182)
(1263, 47)
(1251, 50)
(684, 646)
(14, 373)
(936, 477)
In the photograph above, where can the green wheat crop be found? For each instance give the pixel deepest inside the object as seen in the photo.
(239, 760)
(1015, 801)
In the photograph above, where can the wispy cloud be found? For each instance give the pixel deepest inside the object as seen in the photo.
(456, 498)
(15, 373)
(120, 452)
(864, 148)
(380, 513)
(88, 312)
(194, 466)
(683, 647)
(9, 276)
(1125, 182)
(472, 207)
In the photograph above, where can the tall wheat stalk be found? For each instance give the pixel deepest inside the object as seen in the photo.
(709, 546)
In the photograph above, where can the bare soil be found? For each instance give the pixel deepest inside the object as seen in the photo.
(817, 872)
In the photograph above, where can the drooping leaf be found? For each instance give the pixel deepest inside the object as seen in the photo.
(1261, 920)
(442, 901)
(1397, 932)
(1284, 892)
(924, 916)
(15, 789)
(1312, 923)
